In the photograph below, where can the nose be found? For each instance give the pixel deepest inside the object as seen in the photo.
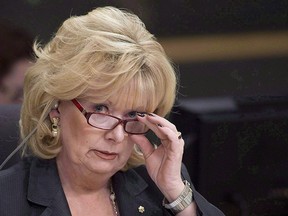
(116, 134)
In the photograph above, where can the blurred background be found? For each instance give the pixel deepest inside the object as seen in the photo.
(232, 106)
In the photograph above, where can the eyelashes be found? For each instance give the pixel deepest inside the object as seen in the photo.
(104, 108)
(101, 108)
(132, 114)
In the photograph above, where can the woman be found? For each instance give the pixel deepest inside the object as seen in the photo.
(95, 90)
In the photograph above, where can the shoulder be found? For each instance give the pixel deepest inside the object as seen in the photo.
(15, 173)
(13, 189)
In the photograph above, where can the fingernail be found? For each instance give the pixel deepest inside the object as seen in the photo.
(150, 114)
(141, 114)
(159, 125)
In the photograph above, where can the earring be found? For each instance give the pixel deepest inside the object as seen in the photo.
(56, 105)
(54, 128)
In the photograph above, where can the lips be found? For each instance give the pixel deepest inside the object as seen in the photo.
(105, 154)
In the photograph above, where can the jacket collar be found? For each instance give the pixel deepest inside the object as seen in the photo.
(131, 197)
(44, 189)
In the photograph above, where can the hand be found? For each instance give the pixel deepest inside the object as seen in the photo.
(163, 163)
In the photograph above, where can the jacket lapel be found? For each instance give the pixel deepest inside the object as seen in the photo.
(48, 198)
(45, 191)
(128, 186)
(58, 207)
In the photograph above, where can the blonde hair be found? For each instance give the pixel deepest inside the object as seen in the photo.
(102, 52)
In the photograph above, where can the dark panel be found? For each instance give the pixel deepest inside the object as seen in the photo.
(252, 77)
(238, 157)
(163, 18)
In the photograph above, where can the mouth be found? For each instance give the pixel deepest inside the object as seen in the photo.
(105, 155)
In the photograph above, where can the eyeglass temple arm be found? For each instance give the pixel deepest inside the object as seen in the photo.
(79, 106)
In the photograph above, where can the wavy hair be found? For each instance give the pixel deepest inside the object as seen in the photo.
(102, 52)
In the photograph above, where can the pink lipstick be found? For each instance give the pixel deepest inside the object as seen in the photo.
(105, 155)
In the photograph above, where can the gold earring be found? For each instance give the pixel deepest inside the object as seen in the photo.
(55, 122)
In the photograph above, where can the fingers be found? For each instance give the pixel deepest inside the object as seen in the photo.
(170, 138)
(160, 121)
(160, 126)
(172, 142)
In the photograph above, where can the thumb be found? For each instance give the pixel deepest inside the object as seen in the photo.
(144, 144)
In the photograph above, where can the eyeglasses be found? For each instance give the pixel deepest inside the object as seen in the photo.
(109, 122)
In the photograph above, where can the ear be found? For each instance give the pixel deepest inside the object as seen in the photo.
(54, 113)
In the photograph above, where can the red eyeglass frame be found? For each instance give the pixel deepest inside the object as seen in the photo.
(120, 121)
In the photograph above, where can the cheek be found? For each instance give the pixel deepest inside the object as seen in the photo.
(76, 145)
(70, 130)
(73, 134)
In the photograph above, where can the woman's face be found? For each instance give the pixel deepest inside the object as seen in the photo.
(95, 150)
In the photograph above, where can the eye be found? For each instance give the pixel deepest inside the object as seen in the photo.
(101, 108)
(132, 115)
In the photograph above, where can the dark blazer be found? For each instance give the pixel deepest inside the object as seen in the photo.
(33, 188)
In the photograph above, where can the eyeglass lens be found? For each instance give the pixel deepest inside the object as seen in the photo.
(109, 122)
